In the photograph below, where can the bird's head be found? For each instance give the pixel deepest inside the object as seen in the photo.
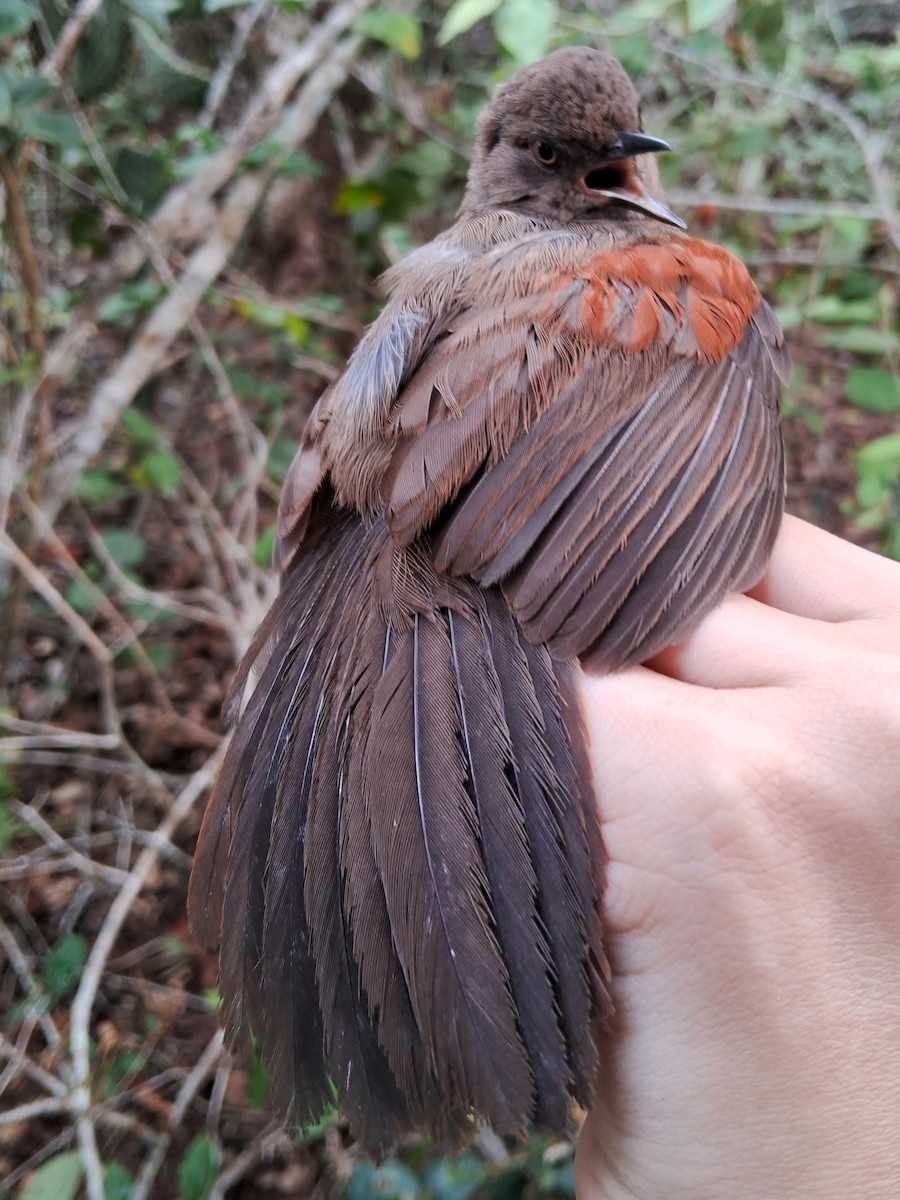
(562, 139)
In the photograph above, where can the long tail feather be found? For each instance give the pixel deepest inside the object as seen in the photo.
(399, 859)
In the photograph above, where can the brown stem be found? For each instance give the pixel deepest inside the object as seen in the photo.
(21, 239)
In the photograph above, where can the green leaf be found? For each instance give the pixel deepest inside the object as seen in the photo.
(524, 28)
(15, 18)
(635, 51)
(51, 128)
(81, 598)
(140, 427)
(244, 385)
(257, 1082)
(398, 30)
(861, 339)
(299, 163)
(456, 1178)
(101, 58)
(9, 826)
(118, 1183)
(158, 471)
(212, 6)
(131, 298)
(197, 1170)
(463, 15)
(389, 1181)
(703, 13)
(160, 654)
(281, 455)
(125, 547)
(873, 389)
(170, 76)
(261, 153)
(881, 454)
(396, 239)
(355, 195)
(833, 310)
(143, 174)
(28, 89)
(96, 485)
(262, 552)
(763, 20)
(56, 1179)
(275, 317)
(154, 12)
(64, 964)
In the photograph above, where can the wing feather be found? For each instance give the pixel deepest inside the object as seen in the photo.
(578, 451)
(566, 888)
(507, 858)
(429, 859)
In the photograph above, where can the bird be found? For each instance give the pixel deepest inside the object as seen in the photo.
(557, 447)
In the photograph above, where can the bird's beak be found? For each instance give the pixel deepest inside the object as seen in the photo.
(630, 190)
(627, 145)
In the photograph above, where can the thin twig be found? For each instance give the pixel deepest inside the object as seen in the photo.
(91, 1162)
(221, 80)
(74, 860)
(268, 1143)
(47, 1151)
(55, 599)
(60, 365)
(47, 1107)
(40, 733)
(19, 963)
(55, 64)
(21, 233)
(16, 1057)
(204, 1065)
(774, 206)
(216, 613)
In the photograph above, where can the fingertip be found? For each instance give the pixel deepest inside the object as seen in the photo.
(813, 573)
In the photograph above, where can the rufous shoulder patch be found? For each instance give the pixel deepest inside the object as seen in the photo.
(688, 293)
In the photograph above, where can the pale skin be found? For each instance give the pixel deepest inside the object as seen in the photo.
(750, 785)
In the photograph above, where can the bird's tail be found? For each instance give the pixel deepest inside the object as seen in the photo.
(400, 860)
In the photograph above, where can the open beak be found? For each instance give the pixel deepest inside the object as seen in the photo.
(625, 187)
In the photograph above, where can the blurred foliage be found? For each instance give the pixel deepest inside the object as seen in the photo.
(791, 106)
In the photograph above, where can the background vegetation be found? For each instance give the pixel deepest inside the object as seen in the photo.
(196, 198)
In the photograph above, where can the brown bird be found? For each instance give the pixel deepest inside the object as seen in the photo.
(559, 441)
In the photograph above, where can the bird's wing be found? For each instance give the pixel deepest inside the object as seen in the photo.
(598, 433)
(342, 440)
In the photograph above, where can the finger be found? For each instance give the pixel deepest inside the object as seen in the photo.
(815, 574)
(745, 644)
(642, 726)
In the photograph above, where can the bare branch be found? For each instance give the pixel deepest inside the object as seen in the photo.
(178, 211)
(147, 351)
(68, 39)
(221, 80)
(47, 1107)
(774, 206)
(205, 1064)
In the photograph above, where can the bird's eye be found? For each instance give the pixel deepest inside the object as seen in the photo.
(544, 153)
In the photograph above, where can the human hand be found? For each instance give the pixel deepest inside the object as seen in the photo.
(750, 793)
